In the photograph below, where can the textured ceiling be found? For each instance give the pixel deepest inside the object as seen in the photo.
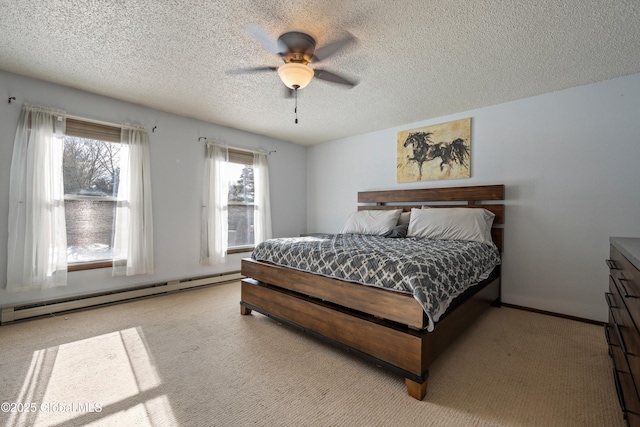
(414, 60)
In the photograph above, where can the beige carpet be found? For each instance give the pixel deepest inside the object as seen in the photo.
(190, 359)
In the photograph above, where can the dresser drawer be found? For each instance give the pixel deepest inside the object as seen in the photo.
(623, 324)
(627, 396)
(629, 270)
(627, 279)
(615, 351)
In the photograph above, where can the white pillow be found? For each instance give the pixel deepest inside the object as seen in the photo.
(452, 224)
(371, 221)
(405, 217)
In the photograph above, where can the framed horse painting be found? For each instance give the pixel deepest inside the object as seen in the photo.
(441, 151)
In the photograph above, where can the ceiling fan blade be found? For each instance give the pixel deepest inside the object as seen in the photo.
(327, 50)
(251, 70)
(258, 33)
(333, 78)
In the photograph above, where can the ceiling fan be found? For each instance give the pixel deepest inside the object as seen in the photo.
(298, 50)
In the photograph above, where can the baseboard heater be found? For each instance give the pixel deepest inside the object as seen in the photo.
(28, 311)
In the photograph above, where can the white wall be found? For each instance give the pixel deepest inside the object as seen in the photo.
(570, 161)
(177, 162)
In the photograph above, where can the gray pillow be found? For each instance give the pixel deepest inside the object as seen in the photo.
(371, 221)
(399, 231)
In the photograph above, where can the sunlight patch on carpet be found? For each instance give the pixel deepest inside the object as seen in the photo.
(95, 375)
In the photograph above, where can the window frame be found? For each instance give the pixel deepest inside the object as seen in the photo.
(242, 157)
(102, 131)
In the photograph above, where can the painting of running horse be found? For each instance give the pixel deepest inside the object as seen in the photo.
(441, 151)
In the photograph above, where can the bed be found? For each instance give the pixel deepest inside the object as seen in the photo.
(388, 327)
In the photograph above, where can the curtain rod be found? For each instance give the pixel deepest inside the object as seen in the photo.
(84, 119)
(208, 141)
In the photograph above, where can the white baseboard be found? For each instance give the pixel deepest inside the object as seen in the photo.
(11, 314)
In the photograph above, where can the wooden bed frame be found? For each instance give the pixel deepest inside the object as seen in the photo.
(377, 324)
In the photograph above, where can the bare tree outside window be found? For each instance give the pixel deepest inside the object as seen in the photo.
(91, 172)
(90, 166)
(241, 205)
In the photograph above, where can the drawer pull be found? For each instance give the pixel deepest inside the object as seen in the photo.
(612, 264)
(621, 285)
(619, 335)
(607, 296)
(607, 336)
(616, 379)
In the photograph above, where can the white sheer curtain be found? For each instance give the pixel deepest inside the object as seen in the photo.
(262, 202)
(215, 209)
(37, 248)
(133, 235)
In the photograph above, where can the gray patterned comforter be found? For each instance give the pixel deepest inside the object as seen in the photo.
(434, 271)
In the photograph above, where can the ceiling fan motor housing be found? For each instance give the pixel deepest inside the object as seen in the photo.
(296, 47)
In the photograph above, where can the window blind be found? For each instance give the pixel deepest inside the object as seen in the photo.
(91, 130)
(239, 156)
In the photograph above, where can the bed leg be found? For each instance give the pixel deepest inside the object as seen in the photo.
(244, 310)
(416, 390)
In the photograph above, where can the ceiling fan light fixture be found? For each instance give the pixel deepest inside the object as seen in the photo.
(295, 74)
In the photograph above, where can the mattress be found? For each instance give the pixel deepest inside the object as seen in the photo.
(435, 272)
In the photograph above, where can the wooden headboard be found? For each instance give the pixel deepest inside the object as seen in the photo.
(463, 197)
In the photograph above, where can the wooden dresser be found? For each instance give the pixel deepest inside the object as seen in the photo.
(622, 332)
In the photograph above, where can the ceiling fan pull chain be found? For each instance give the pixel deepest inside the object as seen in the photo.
(295, 110)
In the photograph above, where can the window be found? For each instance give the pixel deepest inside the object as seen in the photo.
(39, 252)
(91, 176)
(241, 199)
(236, 207)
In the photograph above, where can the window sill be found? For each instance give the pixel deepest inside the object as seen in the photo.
(89, 265)
(241, 250)
(109, 264)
